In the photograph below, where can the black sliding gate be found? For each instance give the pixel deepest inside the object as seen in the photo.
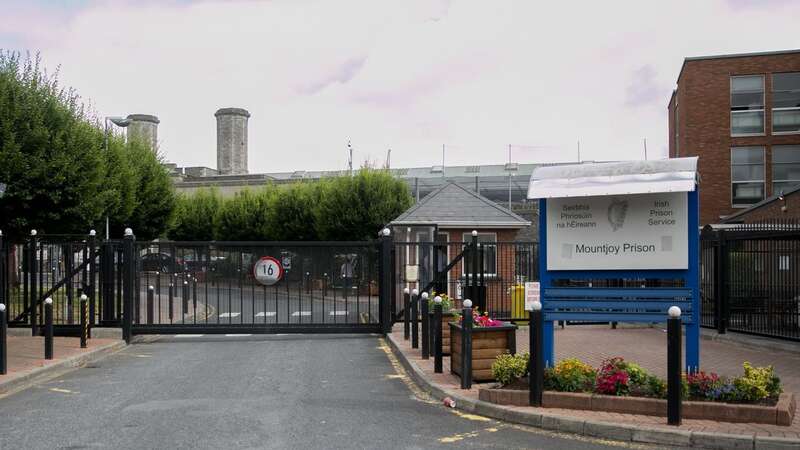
(196, 287)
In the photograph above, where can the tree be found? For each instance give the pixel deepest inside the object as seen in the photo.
(291, 212)
(52, 161)
(244, 217)
(196, 216)
(155, 194)
(355, 208)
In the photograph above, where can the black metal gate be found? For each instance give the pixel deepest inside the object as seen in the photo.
(210, 287)
(196, 287)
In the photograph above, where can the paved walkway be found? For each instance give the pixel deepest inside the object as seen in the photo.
(644, 346)
(26, 356)
(647, 347)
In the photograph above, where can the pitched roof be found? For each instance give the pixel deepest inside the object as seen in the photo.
(457, 207)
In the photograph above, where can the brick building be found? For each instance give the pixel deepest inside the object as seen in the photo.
(740, 114)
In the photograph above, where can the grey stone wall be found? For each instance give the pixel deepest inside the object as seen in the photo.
(232, 141)
(144, 127)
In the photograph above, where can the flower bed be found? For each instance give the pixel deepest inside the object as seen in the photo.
(624, 387)
(489, 341)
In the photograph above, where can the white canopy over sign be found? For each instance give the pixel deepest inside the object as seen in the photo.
(614, 178)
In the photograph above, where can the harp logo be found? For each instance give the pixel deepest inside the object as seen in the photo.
(616, 213)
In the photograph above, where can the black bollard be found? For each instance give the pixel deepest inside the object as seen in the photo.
(150, 295)
(406, 314)
(3, 340)
(466, 345)
(437, 334)
(48, 328)
(674, 358)
(84, 320)
(185, 297)
(414, 320)
(170, 301)
(536, 355)
(426, 341)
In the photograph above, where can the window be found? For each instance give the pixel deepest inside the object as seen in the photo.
(747, 105)
(747, 175)
(786, 102)
(488, 242)
(785, 167)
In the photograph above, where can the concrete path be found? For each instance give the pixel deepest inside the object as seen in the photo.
(323, 392)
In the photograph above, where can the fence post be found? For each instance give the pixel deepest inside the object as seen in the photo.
(536, 355)
(34, 292)
(48, 328)
(466, 345)
(426, 323)
(674, 368)
(385, 271)
(185, 297)
(129, 272)
(3, 340)
(406, 313)
(3, 271)
(481, 286)
(437, 334)
(722, 276)
(84, 320)
(149, 306)
(107, 270)
(90, 285)
(474, 275)
(414, 319)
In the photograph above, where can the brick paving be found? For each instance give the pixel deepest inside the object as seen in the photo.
(642, 346)
(26, 354)
(647, 347)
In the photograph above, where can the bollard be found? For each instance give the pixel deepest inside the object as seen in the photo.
(150, 295)
(674, 358)
(536, 355)
(3, 340)
(426, 341)
(185, 297)
(48, 328)
(194, 295)
(406, 314)
(84, 320)
(437, 334)
(170, 301)
(324, 284)
(466, 345)
(414, 319)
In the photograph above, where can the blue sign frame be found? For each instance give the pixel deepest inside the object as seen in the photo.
(646, 305)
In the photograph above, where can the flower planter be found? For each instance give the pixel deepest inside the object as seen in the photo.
(780, 414)
(447, 317)
(487, 343)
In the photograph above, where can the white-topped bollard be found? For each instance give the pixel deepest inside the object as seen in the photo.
(128, 232)
(674, 311)
(674, 366)
(467, 303)
(48, 328)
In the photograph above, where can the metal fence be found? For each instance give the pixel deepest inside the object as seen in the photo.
(750, 278)
(502, 269)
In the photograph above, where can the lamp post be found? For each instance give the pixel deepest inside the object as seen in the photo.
(122, 123)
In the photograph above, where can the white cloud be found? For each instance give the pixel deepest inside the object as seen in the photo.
(412, 76)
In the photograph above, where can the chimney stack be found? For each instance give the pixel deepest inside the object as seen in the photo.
(145, 128)
(232, 141)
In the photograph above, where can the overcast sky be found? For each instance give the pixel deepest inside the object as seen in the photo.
(406, 75)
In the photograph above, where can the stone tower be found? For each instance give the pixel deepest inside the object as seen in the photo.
(144, 127)
(232, 141)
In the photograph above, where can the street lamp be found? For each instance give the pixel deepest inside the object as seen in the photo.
(122, 123)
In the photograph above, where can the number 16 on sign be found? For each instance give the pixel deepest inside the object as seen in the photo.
(268, 271)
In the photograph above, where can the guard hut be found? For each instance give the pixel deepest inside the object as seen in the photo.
(619, 243)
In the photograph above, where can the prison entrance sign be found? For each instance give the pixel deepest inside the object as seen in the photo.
(619, 242)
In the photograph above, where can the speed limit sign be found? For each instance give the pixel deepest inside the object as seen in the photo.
(268, 271)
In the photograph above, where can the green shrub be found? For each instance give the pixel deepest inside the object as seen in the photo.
(757, 383)
(573, 375)
(508, 368)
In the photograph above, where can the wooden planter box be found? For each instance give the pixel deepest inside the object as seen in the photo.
(780, 414)
(447, 317)
(487, 343)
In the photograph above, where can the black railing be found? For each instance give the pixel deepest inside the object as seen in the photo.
(750, 279)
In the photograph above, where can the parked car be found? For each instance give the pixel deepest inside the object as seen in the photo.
(161, 262)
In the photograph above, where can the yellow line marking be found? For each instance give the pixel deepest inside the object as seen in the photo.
(469, 416)
(63, 391)
(419, 394)
(393, 376)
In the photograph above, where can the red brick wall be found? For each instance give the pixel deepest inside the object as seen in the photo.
(703, 100)
(773, 210)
